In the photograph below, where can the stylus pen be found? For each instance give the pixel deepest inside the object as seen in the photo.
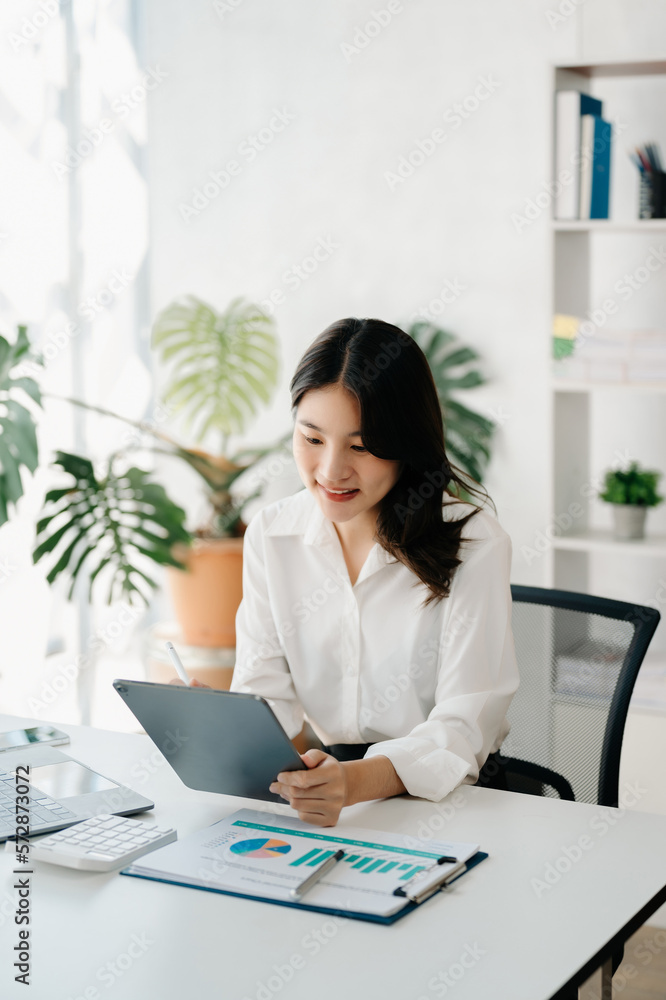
(317, 874)
(175, 659)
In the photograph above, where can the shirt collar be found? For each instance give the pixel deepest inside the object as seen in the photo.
(301, 515)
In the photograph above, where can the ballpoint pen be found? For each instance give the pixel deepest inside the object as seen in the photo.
(316, 875)
(175, 659)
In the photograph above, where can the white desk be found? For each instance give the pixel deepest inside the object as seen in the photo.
(519, 944)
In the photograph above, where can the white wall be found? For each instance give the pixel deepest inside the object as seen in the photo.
(355, 114)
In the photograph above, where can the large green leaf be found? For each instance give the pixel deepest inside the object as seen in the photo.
(224, 364)
(468, 434)
(121, 524)
(18, 440)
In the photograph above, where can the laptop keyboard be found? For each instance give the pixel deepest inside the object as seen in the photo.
(44, 811)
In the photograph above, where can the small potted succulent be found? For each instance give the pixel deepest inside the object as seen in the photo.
(631, 492)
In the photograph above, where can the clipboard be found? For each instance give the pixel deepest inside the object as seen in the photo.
(352, 914)
(263, 857)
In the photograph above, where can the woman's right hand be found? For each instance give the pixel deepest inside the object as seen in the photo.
(194, 683)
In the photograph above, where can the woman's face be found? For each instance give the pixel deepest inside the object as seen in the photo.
(330, 456)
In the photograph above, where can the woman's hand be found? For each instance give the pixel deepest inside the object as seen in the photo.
(317, 794)
(193, 683)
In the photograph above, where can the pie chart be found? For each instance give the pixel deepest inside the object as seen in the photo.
(264, 848)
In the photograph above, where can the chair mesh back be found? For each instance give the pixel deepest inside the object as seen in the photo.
(569, 664)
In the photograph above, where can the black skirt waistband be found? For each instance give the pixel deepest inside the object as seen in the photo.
(492, 774)
(347, 751)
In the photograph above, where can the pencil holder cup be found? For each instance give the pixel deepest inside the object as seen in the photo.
(652, 200)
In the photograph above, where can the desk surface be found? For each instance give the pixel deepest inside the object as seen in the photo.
(517, 927)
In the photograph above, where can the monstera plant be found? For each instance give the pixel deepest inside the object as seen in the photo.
(115, 525)
(18, 440)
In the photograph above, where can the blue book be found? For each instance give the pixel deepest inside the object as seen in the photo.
(590, 105)
(595, 167)
(601, 169)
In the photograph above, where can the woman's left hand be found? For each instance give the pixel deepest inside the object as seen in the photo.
(317, 794)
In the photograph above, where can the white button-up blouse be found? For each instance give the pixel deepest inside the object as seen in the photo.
(430, 687)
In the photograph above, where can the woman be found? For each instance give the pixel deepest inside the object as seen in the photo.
(374, 603)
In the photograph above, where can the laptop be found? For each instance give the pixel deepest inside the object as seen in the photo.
(63, 791)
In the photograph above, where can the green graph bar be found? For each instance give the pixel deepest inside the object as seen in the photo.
(306, 857)
(362, 862)
(322, 857)
(412, 871)
(403, 868)
(375, 864)
(350, 857)
(387, 868)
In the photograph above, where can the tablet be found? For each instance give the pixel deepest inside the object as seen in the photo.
(216, 741)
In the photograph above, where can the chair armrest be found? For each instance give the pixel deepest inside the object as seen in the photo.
(536, 772)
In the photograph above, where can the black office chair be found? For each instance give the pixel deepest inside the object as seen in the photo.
(578, 658)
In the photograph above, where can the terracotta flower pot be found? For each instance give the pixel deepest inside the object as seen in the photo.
(206, 595)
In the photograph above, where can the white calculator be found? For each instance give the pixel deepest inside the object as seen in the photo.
(99, 844)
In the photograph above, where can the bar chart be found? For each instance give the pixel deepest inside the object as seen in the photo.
(364, 863)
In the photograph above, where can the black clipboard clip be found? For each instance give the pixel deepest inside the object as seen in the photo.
(438, 880)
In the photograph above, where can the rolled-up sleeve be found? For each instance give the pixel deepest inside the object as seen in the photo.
(261, 666)
(477, 677)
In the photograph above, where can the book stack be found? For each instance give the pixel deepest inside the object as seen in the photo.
(582, 157)
(617, 357)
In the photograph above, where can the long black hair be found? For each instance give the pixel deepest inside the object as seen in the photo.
(401, 419)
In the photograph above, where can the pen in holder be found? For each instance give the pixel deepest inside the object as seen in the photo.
(652, 199)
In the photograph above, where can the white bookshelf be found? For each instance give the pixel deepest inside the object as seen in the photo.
(585, 557)
(599, 540)
(609, 226)
(578, 385)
